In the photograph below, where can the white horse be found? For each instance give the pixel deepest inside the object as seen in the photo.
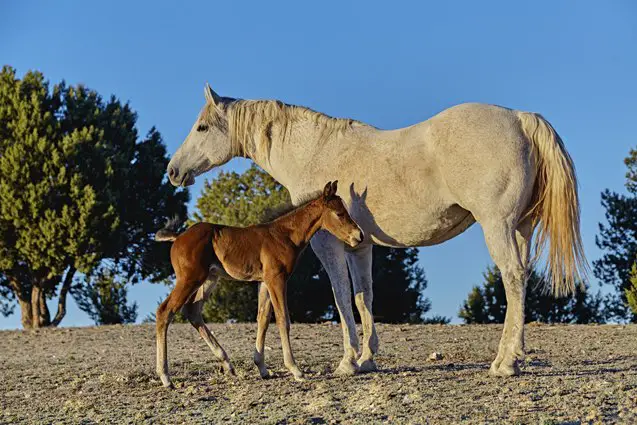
(415, 186)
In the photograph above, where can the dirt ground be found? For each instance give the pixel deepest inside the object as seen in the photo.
(572, 374)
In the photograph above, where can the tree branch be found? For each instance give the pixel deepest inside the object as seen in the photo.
(66, 285)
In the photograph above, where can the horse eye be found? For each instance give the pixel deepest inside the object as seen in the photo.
(202, 127)
(340, 215)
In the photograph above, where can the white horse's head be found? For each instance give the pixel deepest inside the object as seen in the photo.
(208, 144)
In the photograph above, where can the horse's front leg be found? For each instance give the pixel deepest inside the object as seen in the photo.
(331, 252)
(360, 268)
(264, 314)
(276, 284)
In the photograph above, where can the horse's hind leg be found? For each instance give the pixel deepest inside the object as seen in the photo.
(165, 312)
(360, 268)
(192, 312)
(263, 321)
(501, 238)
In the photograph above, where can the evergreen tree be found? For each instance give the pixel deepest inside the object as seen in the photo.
(251, 197)
(618, 239)
(487, 303)
(104, 298)
(72, 174)
(631, 291)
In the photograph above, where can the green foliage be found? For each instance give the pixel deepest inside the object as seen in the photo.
(631, 291)
(245, 199)
(618, 239)
(72, 169)
(103, 298)
(487, 303)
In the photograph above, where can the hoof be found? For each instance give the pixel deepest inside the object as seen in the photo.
(166, 383)
(229, 369)
(368, 365)
(300, 378)
(504, 370)
(265, 373)
(347, 368)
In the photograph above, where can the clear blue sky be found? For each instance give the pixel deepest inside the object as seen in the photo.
(390, 64)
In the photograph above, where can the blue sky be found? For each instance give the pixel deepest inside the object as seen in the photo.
(390, 64)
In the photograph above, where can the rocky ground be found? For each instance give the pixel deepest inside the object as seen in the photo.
(572, 374)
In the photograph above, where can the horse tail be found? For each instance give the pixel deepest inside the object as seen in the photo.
(169, 232)
(556, 210)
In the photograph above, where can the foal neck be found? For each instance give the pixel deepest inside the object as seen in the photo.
(301, 224)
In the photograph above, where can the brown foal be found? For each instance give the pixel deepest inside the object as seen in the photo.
(265, 252)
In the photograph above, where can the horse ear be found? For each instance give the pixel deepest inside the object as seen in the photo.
(210, 95)
(327, 190)
(334, 187)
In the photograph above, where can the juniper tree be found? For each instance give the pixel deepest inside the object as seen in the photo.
(78, 187)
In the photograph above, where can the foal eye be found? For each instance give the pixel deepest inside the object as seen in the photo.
(340, 215)
(202, 127)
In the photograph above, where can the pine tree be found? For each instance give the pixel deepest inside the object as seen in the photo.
(104, 298)
(72, 172)
(631, 291)
(487, 303)
(618, 239)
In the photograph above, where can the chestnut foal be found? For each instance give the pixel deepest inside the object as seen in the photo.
(265, 252)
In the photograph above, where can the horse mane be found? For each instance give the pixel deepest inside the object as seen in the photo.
(275, 213)
(251, 124)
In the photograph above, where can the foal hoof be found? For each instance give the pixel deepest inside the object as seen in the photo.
(368, 365)
(229, 369)
(166, 383)
(346, 368)
(504, 370)
(300, 378)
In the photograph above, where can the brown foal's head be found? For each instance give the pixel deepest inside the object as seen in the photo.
(336, 219)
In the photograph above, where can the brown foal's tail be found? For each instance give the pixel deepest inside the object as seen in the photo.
(169, 232)
(556, 210)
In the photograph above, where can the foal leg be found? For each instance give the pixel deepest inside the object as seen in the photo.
(165, 313)
(263, 321)
(276, 285)
(192, 312)
(360, 268)
(331, 252)
(503, 246)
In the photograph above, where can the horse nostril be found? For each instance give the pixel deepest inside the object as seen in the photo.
(172, 172)
(362, 236)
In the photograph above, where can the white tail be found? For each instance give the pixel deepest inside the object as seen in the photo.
(556, 210)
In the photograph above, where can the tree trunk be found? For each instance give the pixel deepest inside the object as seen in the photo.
(26, 313)
(66, 285)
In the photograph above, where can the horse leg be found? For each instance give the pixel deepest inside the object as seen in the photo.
(263, 321)
(331, 252)
(502, 242)
(360, 268)
(192, 312)
(165, 313)
(278, 296)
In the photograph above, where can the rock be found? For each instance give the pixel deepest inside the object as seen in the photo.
(435, 356)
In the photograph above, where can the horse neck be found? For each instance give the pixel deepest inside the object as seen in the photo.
(289, 158)
(301, 224)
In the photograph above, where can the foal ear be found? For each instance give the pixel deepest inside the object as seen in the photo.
(210, 95)
(327, 190)
(334, 188)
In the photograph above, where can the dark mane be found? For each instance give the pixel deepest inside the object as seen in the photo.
(275, 213)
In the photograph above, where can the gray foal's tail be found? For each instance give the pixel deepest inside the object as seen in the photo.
(169, 232)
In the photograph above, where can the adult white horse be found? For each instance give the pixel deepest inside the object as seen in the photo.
(414, 186)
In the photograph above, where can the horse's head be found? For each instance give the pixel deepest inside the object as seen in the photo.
(208, 144)
(336, 219)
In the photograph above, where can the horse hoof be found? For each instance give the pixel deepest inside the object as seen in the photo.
(166, 383)
(504, 370)
(368, 365)
(300, 378)
(265, 373)
(346, 368)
